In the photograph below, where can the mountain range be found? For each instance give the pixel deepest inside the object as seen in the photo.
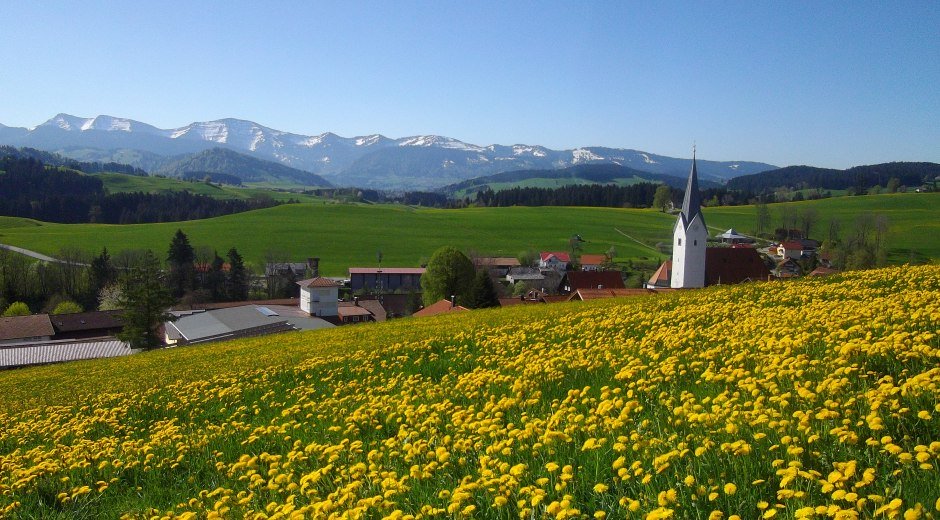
(371, 161)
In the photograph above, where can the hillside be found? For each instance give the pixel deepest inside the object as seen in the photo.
(859, 178)
(349, 235)
(121, 183)
(244, 167)
(580, 174)
(813, 398)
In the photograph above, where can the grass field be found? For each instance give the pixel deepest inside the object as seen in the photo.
(119, 183)
(351, 235)
(810, 399)
(543, 183)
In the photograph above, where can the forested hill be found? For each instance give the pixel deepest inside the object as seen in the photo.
(54, 159)
(579, 174)
(30, 189)
(236, 165)
(860, 178)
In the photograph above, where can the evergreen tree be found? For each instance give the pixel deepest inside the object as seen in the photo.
(102, 271)
(215, 282)
(482, 291)
(237, 286)
(145, 299)
(181, 259)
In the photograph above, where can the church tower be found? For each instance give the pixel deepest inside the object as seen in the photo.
(689, 237)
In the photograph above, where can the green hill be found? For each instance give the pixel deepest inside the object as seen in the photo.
(811, 399)
(121, 183)
(348, 235)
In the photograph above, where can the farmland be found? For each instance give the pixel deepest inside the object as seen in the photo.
(344, 234)
(811, 399)
(121, 183)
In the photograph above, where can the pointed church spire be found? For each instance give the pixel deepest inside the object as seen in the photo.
(692, 202)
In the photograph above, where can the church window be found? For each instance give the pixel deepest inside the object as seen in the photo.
(695, 242)
(680, 241)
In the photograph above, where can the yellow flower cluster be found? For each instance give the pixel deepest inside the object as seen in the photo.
(815, 399)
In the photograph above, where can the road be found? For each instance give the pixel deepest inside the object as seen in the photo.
(36, 255)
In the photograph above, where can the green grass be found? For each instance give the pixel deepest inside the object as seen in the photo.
(122, 183)
(543, 183)
(350, 235)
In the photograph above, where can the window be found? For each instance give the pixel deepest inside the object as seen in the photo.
(680, 241)
(695, 242)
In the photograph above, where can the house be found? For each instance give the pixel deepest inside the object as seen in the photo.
(597, 294)
(723, 265)
(26, 354)
(292, 269)
(498, 267)
(788, 268)
(790, 249)
(733, 237)
(361, 311)
(823, 271)
(385, 279)
(319, 296)
(574, 280)
(84, 325)
(593, 262)
(238, 322)
(559, 261)
(440, 307)
(22, 329)
(529, 275)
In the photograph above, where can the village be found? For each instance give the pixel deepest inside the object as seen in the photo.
(376, 294)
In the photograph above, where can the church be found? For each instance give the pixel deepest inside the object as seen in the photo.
(694, 264)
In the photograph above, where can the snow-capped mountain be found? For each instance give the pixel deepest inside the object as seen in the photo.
(374, 161)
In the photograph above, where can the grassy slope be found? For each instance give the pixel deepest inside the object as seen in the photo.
(347, 235)
(118, 183)
(543, 183)
(654, 402)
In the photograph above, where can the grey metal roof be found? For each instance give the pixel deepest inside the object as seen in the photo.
(232, 320)
(19, 355)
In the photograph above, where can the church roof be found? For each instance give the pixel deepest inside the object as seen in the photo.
(692, 201)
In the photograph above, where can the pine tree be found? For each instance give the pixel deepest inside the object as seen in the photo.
(482, 292)
(216, 280)
(181, 258)
(237, 286)
(145, 299)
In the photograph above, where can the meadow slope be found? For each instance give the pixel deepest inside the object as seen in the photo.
(351, 235)
(811, 399)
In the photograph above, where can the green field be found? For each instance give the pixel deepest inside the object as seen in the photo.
(543, 183)
(121, 183)
(351, 235)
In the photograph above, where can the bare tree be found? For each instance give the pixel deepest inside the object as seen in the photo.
(808, 218)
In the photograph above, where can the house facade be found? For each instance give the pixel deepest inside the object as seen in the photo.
(319, 296)
(557, 260)
(385, 279)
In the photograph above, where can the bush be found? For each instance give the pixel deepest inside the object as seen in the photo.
(17, 309)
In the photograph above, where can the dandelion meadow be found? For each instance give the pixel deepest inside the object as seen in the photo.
(812, 399)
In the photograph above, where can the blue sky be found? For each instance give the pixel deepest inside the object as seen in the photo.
(832, 84)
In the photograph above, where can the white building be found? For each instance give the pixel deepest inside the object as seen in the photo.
(319, 296)
(689, 238)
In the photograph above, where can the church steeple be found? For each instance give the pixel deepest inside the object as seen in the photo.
(692, 202)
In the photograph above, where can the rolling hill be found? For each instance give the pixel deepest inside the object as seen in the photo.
(860, 178)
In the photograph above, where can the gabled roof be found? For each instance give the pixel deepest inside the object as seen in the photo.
(319, 281)
(728, 265)
(823, 271)
(662, 276)
(503, 261)
(593, 280)
(33, 326)
(439, 308)
(373, 307)
(353, 310)
(386, 270)
(792, 244)
(561, 256)
(596, 294)
(82, 321)
(593, 259)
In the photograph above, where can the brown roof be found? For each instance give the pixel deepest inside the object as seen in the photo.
(386, 270)
(21, 327)
(289, 302)
(495, 261)
(319, 281)
(823, 271)
(662, 276)
(82, 321)
(728, 265)
(792, 245)
(593, 259)
(439, 308)
(596, 294)
(353, 310)
(373, 307)
(594, 279)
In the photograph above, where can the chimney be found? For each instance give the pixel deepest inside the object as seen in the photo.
(314, 265)
(453, 301)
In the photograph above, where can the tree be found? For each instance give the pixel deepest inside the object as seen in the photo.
(110, 297)
(662, 197)
(102, 271)
(17, 309)
(181, 258)
(215, 281)
(482, 291)
(145, 298)
(763, 218)
(808, 218)
(528, 258)
(236, 286)
(67, 307)
(893, 184)
(449, 273)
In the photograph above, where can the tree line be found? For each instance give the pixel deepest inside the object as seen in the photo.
(599, 195)
(30, 189)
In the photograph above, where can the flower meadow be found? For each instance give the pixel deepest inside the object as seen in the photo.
(810, 399)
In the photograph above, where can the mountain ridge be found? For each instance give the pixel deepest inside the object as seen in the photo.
(370, 161)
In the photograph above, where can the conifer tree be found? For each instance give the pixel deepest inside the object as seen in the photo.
(181, 259)
(145, 299)
(237, 286)
(482, 292)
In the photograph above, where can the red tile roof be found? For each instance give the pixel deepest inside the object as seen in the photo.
(798, 246)
(596, 294)
(21, 327)
(564, 257)
(439, 308)
(728, 265)
(593, 259)
(594, 279)
(319, 281)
